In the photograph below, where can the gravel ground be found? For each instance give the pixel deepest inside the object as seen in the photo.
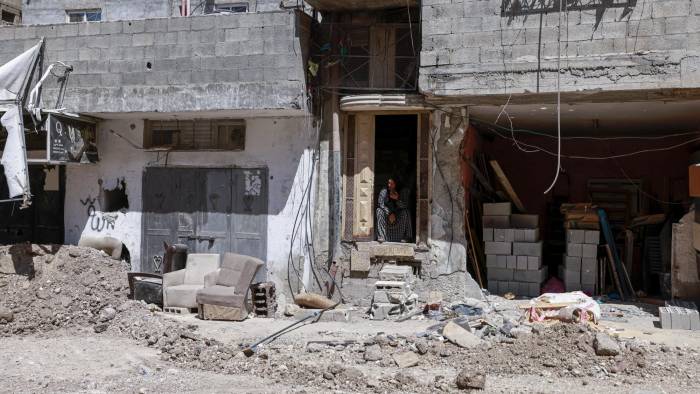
(87, 337)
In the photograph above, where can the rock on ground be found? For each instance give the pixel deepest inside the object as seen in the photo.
(604, 345)
(467, 380)
(460, 336)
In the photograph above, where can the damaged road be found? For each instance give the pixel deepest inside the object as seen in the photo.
(103, 342)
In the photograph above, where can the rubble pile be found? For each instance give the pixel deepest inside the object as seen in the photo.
(393, 297)
(59, 287)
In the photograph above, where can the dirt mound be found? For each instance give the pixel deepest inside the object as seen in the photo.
(59, 286)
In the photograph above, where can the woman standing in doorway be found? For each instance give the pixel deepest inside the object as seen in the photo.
(393, 216)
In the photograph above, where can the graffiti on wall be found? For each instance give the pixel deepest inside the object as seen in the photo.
(98, 221)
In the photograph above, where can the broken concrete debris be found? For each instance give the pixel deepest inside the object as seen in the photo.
(679, 318)
(460, 335)
(393, 297)
(467, 380)
(406, 359)
(604, 345)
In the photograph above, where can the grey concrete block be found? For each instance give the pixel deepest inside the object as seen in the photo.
(497, 209)
(589, 275)
(496, 221)
(571, 276)
(589, 263)
(491, 261)
(503, 235)
(527, 248)
(534, 262)
(531, 276)
(534, 289)
(525, 289)
(380, 297)
(500, 274)
(680, 320)
(572, 263)
(522, 262)
(488, 234)
(589, 251)
(592, 237)
(500, 248)
(518, 235)
(511, 262)
(575, 236)
(665, 317)
(572, 286)
(493, 286)
(531, 235)
(694, 317)
(392, 272)
(574, 249)
(502, 262)
(525, 221)
(503, 286)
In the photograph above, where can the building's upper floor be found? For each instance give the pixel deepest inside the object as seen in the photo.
(484, 47)
(10, 12)
(238, 62)
(42, 12)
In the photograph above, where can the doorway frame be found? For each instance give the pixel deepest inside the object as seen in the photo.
(351, 205)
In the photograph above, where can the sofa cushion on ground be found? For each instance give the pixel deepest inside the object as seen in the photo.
(224, 295)
(219, 295)
(180, 287)
(199, 265)
(182, 296)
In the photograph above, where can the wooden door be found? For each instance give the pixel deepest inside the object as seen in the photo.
(382, 65)
(363, 220)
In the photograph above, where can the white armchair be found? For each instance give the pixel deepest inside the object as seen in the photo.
(180, 287)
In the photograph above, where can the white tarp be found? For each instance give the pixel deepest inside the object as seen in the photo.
(13, 157)
(14, 72)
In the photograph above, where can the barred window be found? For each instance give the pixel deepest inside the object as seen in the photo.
(195, 134)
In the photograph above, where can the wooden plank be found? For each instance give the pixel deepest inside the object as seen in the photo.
(616, 278)
(503, 180)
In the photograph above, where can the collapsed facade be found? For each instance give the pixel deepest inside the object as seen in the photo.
(271, 132)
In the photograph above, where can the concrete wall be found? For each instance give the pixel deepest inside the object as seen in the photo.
(471, 48)
(44, 12)
(214, 62)
(283, 145)
(447, 267)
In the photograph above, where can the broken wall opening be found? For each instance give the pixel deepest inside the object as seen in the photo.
(42, 221)
(635, 174)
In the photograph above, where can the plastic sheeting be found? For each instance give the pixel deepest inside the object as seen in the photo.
(14, 73)
(13, 157)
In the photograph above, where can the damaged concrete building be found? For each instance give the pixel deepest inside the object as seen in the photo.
(202, 129)
(270, 129)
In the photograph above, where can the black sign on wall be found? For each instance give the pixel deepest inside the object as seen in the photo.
(70, 139)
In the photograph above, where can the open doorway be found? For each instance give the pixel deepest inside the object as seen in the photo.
(395, 156)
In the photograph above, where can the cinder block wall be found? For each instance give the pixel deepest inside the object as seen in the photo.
(212, 62)
(473, 47)
(41, 12)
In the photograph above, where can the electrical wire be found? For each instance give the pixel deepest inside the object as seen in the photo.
(642, 192)
(627, 137)
(579, 157)
(410, 26)
(556, 175)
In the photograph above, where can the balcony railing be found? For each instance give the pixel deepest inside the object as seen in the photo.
(381, 57)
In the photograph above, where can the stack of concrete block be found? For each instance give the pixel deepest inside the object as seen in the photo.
(513, 251)
(393, 297)
(679, 315)
(579, 270)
